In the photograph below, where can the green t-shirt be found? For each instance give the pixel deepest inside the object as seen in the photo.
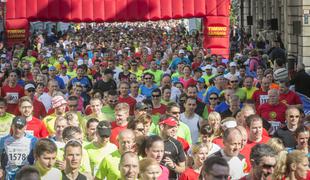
(30, 59)
(108, 167)
(207, 78)
(108, 112)
(5, 124)
(96, 154)
(183, 131)
(241, 94)
(49, 122)
(45, 174)
(72, 74)
(158, 74)
(176, 75)
(249, 92)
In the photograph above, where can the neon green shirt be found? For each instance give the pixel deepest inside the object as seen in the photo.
(183, 131)
(249, 92)
(108, 167)
(5, 124)
(207, 78)
(29, 59)
(176, 75)
(96, 154)
(158, 74)
(241, 94)
(49, 174)
(72, 74)
(108, 112)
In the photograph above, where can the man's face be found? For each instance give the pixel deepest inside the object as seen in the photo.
(248, 83)
(191, 92)
(124, 89)
(175, 112)
(256, 130)
(18, 132)
(47, 160)
(153, 65)
(73, 157)
(170, 131)
(129, 168)
(166, 81)
(148, 79)
(79, 72)
(26, 109)
(234, 82)
(265, 84)
(13, 77)
(96, 106)
(273, 97)
(112, 100)
(156, 97)
(292, 117)
(53, 86)
(2, 109)
(127, 143)
(121, 116)
(265, 168)
(190, 105)
(283, 88)
(218, 172)
(73, 105)
(232, 145)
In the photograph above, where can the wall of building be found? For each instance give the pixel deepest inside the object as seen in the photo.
(286, 12)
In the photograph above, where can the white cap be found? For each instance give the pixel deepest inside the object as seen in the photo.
(61, 59)
(208, 66)
(233, 64)
(28, 86)
(80, 62)
(181, 51)
(229, 124)
(3, 56)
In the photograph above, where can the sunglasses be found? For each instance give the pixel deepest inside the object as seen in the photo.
(234, 81)
(72, 105)
(291, 116)
(147, 78)
(213, 98)
(113, 101)
(268, 166)
(31, 90)
(176, 112)
(140, 129)
(155, 95)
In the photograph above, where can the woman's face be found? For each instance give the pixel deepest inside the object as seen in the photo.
(60, 126)
(187, 71)
(303, 139)
(151, 172)
(139, 130)
(167, 94)
(302, 169)
(156, 151)
(214, 123)
(201, 156)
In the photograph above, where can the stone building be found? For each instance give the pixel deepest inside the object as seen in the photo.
(291, 18)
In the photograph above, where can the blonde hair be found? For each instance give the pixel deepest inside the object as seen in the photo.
(284, 162)
(145, 163)
(276, 144)
(214, 116)
(122, 107)
(71, 118)
(196, 147)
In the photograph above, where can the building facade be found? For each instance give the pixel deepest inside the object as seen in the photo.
(290, 18)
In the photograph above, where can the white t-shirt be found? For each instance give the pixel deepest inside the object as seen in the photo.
(46, 99)
(192, 123)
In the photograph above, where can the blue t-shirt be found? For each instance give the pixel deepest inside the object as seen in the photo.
(60, 82)
(147, 92)
(223, 106)
(177, 60)
(16, 153)
(84, 81)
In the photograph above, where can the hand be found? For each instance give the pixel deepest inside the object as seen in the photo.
(1, 173)
(169, 163)
(61, 165)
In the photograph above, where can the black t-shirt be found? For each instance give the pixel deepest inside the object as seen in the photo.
(174, 150)
(105, 86)
(286, 136)
(79, 177)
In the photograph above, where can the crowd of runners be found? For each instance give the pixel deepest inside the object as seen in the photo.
(146, 101)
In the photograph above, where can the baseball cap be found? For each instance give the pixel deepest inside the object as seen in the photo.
(104, 129)
(19, 122)
(208, 66)
(29, 86)
(108, 71)
(52, 68)
(61, 59)
(169, 121)
(58, 101)
(198, 70)
(228, 123)
(231, 64)
(181, 51)
(201, 80)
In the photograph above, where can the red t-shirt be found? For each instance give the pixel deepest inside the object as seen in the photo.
(38, 109)
(130, 101)
(37, 128)
(88, 110)
(189, 174)
(290, 98)
(14, 94)
(159, 111)
(115, 130)
(272, 112)
(247, 150)
(260, 97)
(218, 141)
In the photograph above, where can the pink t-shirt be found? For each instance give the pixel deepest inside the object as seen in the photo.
(165, 173)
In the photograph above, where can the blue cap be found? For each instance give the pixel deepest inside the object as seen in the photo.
(201, 80)
(52, 68)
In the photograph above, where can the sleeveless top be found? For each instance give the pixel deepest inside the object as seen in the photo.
(79, 177)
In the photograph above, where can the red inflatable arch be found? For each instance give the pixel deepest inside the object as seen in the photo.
(215, 14)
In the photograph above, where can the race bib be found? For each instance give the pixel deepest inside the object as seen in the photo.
(17, 155)
(12, 98)
(263, 99)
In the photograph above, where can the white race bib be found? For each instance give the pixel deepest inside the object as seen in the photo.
(263, 99)
(12, 97)
(17, 155)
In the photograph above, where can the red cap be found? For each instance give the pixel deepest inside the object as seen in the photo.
(169, 121)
